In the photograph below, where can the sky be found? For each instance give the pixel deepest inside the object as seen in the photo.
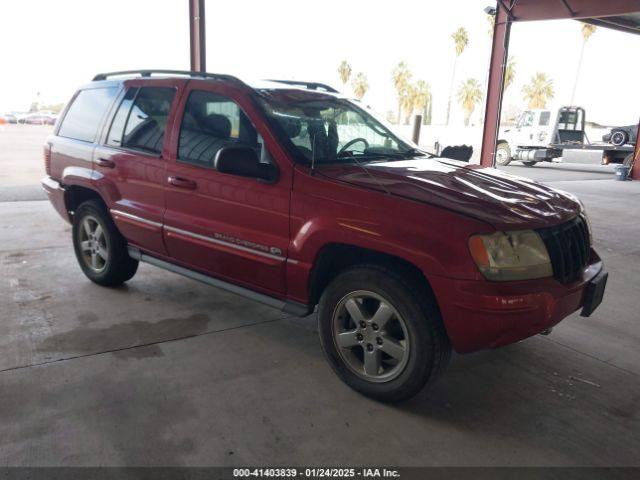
(52, 47)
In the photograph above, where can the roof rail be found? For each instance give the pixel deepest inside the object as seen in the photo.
(148, 73)
(309, 85)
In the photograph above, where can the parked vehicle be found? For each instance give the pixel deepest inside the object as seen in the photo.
(622, 135)
(294, 196)
(38, 119)
(543, 135)
(10, 118)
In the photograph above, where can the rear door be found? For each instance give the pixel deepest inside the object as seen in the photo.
(232, 227)
(131, 161)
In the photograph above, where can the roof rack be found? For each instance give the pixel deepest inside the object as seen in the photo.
(309, 85)
(148, 73)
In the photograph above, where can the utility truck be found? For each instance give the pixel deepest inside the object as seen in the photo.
(542, 135)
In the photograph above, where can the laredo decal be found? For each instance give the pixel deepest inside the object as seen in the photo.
(246, 243)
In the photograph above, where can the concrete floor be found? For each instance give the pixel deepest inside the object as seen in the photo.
(166, 371)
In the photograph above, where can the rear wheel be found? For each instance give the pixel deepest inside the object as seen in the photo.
(619, 138)
(381, 338)
(503, 154)
(100, 248)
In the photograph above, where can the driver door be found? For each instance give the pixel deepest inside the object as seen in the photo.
(232, 227)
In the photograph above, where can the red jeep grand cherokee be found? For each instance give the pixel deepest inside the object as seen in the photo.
(295, 196)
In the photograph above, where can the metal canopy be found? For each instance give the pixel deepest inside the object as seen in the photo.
(621, 15)
(629, 23)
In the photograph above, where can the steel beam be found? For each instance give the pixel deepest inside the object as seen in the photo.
(495, 90)
(635, 171)
(197, 34)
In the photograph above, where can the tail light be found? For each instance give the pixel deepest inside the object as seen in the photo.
(47, 158)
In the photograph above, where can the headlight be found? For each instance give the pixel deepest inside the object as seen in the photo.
(504, 256)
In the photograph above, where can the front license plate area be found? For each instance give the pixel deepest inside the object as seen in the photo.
(594, 293)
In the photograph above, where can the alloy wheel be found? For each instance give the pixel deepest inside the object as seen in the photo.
(93, 244)
(370, 336)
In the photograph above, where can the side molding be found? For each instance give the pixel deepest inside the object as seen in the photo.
(290, 307)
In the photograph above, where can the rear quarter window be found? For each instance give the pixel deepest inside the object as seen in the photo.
(85, 114)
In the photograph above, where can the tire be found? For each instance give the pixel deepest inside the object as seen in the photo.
(413, 323)
(619, 138)
(100, 248)
(628, 160)
(503, 154)
(529, 164)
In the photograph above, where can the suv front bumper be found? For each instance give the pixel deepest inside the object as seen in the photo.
(483, 314)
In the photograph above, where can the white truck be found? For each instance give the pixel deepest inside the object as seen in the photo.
(542, 135)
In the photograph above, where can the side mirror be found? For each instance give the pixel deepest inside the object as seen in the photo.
(244, 161)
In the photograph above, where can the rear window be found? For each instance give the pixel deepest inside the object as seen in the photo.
(146, 119)
(87, 110)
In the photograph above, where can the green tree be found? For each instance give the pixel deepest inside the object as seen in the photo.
(510, 73)
(360, 85)
(460, 40)
(344, 70)
(538, 91)
(401, 77)
(469, 95)
(422, 98)
(492, 23)
(587, 31)
(408, 102)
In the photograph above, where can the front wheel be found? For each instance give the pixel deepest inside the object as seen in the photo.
(503, 154)
(100, 248)
(381, 337)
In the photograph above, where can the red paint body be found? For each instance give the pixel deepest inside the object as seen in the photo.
(267, 236)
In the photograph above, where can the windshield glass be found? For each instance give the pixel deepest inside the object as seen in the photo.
(327, 130)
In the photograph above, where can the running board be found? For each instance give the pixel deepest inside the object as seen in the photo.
(290, 307)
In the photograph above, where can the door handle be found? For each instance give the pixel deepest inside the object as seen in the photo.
(182, 183)
(103, 162)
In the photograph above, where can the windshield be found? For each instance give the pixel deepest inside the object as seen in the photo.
(329, 130)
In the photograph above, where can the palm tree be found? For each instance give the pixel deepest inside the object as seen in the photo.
(344, 70)
(408, 101)
(469, 95)
(492, 24)
(360, 85)
(587, 31)
(539, 90)
(510, 73)
(401, 77)
(422, 96)
(460, 40)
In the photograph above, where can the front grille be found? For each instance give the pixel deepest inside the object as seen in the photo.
(568, 247)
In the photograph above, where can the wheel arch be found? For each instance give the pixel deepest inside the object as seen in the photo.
(334, 258)
(75, 195)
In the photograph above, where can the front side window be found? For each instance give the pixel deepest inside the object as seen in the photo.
(326, 129)
(146, 120)
(210, 122)
(82, 120)
(526, 120)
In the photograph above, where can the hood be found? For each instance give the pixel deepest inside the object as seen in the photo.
(505, 201)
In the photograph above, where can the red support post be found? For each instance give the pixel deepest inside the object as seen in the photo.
(635, 171)
(197, 34)
(495, 89)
